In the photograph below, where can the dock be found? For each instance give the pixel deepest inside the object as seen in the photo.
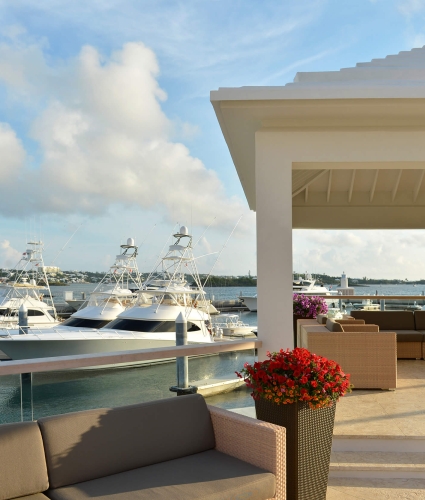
(219, 385)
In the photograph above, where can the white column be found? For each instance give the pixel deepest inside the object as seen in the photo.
(274, 243)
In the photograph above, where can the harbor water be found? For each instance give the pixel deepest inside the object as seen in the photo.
(61, 392)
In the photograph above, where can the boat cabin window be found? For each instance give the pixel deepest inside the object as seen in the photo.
(35, 312)
(8, 312)
(85, 323)
(139, 325)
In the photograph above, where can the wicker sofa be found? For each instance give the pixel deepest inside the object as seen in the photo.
(408, 325)
(368, 355)
(177, 448)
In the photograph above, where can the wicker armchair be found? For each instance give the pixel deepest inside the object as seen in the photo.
(369, 356)
(254, 441)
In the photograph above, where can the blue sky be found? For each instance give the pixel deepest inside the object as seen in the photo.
(105, 123)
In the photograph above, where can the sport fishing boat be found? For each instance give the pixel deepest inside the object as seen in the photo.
(114, 294)
(173, 287)
(27, 284)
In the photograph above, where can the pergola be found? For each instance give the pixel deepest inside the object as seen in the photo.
(332, 150)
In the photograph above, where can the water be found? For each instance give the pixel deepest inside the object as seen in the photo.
(61, 392)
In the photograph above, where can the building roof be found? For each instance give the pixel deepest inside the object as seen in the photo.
(383, 94)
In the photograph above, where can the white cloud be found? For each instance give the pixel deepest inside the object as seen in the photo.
(410, 7)
(9, 257)
(105, 140)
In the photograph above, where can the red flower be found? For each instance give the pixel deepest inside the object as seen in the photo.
(298, 375)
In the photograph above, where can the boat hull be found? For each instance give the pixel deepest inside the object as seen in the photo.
(250, 303)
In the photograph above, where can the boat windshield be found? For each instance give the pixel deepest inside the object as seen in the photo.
(139, 325)
(85, 323)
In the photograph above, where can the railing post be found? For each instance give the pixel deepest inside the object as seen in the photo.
(27, 409)
(382, 302)
(182, 363)
(23, 320)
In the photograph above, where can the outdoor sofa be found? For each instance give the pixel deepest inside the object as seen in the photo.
(368, 355)
(176, 448)
(408, 325)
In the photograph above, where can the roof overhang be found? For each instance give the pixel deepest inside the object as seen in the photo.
(387, 94)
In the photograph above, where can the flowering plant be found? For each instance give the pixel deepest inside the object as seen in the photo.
(309, 306)
(298, 375)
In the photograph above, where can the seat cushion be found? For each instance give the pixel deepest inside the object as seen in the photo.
(388, 320)
(408, 335)
(210, 475)
(96, 443)
(37, 496)
(23, 470)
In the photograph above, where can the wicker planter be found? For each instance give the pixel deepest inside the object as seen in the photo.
(308, 445)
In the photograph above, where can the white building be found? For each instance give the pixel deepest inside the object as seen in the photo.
(336, 150)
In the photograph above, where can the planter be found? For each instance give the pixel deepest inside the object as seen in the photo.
(308, 445)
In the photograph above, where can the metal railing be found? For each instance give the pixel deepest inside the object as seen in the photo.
(112, 358)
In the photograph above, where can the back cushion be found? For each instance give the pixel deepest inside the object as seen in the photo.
(321, 319)
(22, 464)
(387, 320)
(420, 320)
(97, 443)
(333, 326)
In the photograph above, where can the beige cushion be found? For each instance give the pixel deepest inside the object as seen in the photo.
(96, 443)
(321, 319)
(210, 475)
(333, 326)
(346, 321)
(22, 464)
(360, 328)
(387, 320)
(37, 496)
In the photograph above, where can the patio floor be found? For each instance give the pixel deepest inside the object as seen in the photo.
(385, 431)
(379, 440)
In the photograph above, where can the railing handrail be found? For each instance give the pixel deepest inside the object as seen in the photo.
(61, 363)
(362, 297)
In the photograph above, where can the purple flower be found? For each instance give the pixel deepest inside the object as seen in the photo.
(309, 306)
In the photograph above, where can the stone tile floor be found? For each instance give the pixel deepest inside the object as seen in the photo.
(383, 413)
(376, 489)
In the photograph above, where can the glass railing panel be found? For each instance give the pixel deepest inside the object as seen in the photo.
(10, 399)
(60, 392)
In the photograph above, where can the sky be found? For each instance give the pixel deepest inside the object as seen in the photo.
(107, 131)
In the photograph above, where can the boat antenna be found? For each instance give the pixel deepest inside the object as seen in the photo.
(202, 235)
(223, 247)
(69, 239)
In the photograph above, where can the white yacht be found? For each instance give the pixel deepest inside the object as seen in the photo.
(27, 285)
(306, 286)
(149, 323)
(231, 325)
(114, 294)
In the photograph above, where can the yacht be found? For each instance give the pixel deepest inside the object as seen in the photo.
(173, 287)
(27, 284)
(305, 286)
(231, 325)
(113, 295)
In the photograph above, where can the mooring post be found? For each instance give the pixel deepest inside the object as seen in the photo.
(182, 363)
